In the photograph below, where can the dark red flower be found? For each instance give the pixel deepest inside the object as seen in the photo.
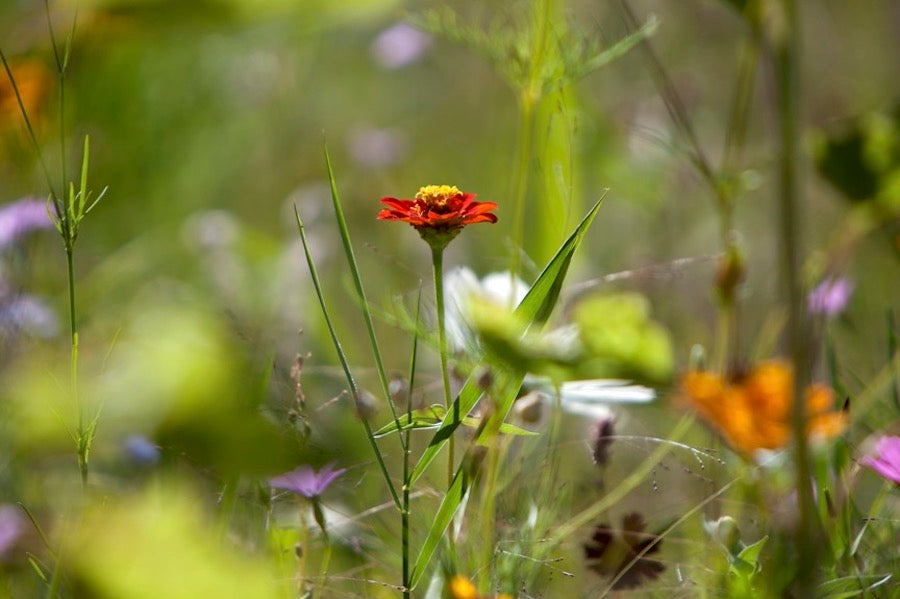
(439, 207)
(611, 553)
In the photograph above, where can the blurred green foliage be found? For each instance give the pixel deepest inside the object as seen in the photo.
(206, 121)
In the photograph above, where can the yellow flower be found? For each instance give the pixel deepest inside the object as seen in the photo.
(753, 411)
(462, 588)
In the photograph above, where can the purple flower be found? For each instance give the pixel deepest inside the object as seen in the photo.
(12, 526)
(830, 297)
(306, 481)
(399, 45)
(27, 314)
(141, 450)
(887, 459)
(20, 217)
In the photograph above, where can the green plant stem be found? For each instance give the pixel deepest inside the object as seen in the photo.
(527, 105)
(437, 262)
(351, 381)
(304, 546)
(323, 566)
(405, 435)
(82, 447)
(786, 58)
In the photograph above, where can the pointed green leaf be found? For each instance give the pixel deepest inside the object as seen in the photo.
(851, 586)
(535, 308)
(442, 519)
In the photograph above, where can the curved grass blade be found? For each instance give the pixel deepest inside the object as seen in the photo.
(535, 308)
(314, 275)
(442, 519)
(357, 282)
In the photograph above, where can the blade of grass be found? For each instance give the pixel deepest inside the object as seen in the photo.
(534, 308)
(357, 282)
(442, 519)
(343, 358)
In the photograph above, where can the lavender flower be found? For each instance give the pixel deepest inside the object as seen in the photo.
(28, 314)
(19, 217)
(12, 526)
(830, 297)
(887, 459)
(399, 45)
(306, 481)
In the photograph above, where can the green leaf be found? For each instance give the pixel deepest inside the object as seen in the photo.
(535, 308)
(745, 563)
(851, 586)
(604, 57)
(442, 519)
(357, 282)
(750, 553)
(431, 417)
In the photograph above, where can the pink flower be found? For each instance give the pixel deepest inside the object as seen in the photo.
(886, 462)
(830, 297)
(399, 45)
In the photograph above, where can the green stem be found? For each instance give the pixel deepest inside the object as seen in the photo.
(786, 58)
(404, 511)
(351, 381)
(437, 262)
(520, 182)
(82, 444)
(304, 546)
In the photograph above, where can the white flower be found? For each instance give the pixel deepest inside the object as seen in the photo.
(586, 397)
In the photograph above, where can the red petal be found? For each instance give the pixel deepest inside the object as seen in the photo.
(481, 207)
(480, 218)
(396, 204)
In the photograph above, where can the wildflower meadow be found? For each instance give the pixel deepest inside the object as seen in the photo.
(470, 300)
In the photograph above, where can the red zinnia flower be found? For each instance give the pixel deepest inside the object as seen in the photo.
(439, 212)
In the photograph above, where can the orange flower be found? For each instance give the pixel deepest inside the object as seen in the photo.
(439, 212)
(753, 411)
(461, 587)
(33, 82)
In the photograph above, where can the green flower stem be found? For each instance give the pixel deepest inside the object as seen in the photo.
(304, 546)
(83, 446)
(527, 106)
(407, 479)
(326, 557)
(437, 261)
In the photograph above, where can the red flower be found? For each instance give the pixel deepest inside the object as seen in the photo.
(439, 207)
(439, 212)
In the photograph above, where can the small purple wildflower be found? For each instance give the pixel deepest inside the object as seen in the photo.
(12, 526)
(27, 314)
(830, 297)
(306, 481)
(19, 217)
(141, 450)
(887, 459)
(399, 45)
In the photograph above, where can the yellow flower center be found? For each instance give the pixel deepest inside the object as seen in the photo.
(437, 196)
